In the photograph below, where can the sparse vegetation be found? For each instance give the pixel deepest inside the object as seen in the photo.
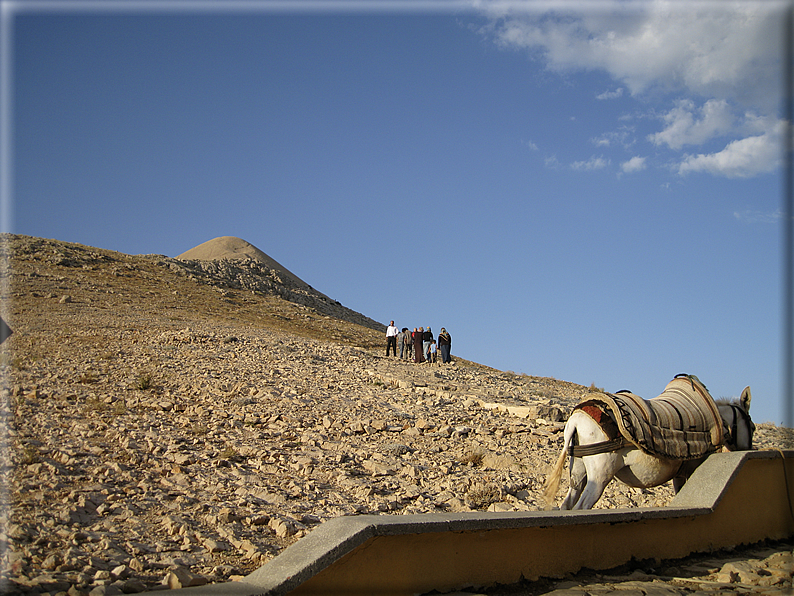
(143, 381)
(191, 406)
(545, 393)
(29, 455)
(94, 404)
(87, 378)
(474, 458)
(199, 429)
(118, 408)
(18, 364)
(482, 494)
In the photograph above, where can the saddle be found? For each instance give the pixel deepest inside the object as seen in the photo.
(681, 423)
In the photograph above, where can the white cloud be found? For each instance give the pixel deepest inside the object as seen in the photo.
(623, 137)
(688, 125)
(611, 94)
(530, 145)
(714, 49)
(635, 164)
(594, 163)
(721, 60)
(750, 216)
(552, 163)
(741, 158)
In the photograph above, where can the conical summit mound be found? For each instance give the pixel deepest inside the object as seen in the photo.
(233, 248)
(235, 263)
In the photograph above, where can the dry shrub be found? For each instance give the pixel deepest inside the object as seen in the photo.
(473, 457)
(143, 381)
(482, 494)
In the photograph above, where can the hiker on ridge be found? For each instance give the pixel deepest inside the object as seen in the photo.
(418, 356)
(391, 338)
(427, 337)
(402, 341)
(445, 345)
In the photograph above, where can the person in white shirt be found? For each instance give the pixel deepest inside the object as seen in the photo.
(391, 338)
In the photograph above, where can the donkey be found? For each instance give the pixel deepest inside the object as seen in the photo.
(592, 469)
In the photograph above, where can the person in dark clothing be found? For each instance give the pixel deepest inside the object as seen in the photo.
(403, 337)
(445, 345)
(418, 355)
(427, 337)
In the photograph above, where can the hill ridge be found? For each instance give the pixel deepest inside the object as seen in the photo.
(251, 271)
(234, 248)
(164, 431)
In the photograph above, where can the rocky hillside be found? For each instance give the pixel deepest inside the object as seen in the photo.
(232, 263)
(174, 423)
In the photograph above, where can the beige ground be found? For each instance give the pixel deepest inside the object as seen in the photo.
(167, 426)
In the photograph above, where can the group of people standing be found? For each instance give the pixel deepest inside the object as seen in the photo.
(419, 342)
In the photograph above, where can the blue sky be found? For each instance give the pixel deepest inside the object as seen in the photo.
(588, 191)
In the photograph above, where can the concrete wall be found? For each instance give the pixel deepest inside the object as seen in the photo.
(733, 498)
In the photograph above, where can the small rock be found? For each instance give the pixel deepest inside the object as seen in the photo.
(500, 507)
(50, 563)
(179, 577)
(135, 586)
(395, 449)
(377, 468)
(259, 520)
(109, 590)
(282, 527)
(741, 571)
(120, 572)
(216, 546)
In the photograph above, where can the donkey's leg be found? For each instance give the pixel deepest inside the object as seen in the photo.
(578, 478)
(601, 469)
(684, 472)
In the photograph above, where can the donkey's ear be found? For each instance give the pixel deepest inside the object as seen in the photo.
(745, 399)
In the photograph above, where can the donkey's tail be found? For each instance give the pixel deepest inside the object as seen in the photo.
(553, 478)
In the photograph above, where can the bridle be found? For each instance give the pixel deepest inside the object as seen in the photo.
(732, 432)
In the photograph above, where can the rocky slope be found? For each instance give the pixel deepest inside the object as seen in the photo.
(236, 264)
(173, 424)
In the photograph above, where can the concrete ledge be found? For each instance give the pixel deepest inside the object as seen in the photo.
(732, 498)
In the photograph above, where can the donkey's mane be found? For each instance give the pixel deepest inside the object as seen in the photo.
(728, 401)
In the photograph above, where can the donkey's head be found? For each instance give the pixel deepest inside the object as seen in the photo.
(737, 425)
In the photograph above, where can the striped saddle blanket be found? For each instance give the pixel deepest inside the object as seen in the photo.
(681, 423)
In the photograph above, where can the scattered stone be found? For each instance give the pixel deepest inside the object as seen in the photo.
(179, 577)
(172, 425)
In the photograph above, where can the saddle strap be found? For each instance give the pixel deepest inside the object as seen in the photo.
(596, 448)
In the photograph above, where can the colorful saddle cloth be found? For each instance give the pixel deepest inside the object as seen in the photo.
(681, 423)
